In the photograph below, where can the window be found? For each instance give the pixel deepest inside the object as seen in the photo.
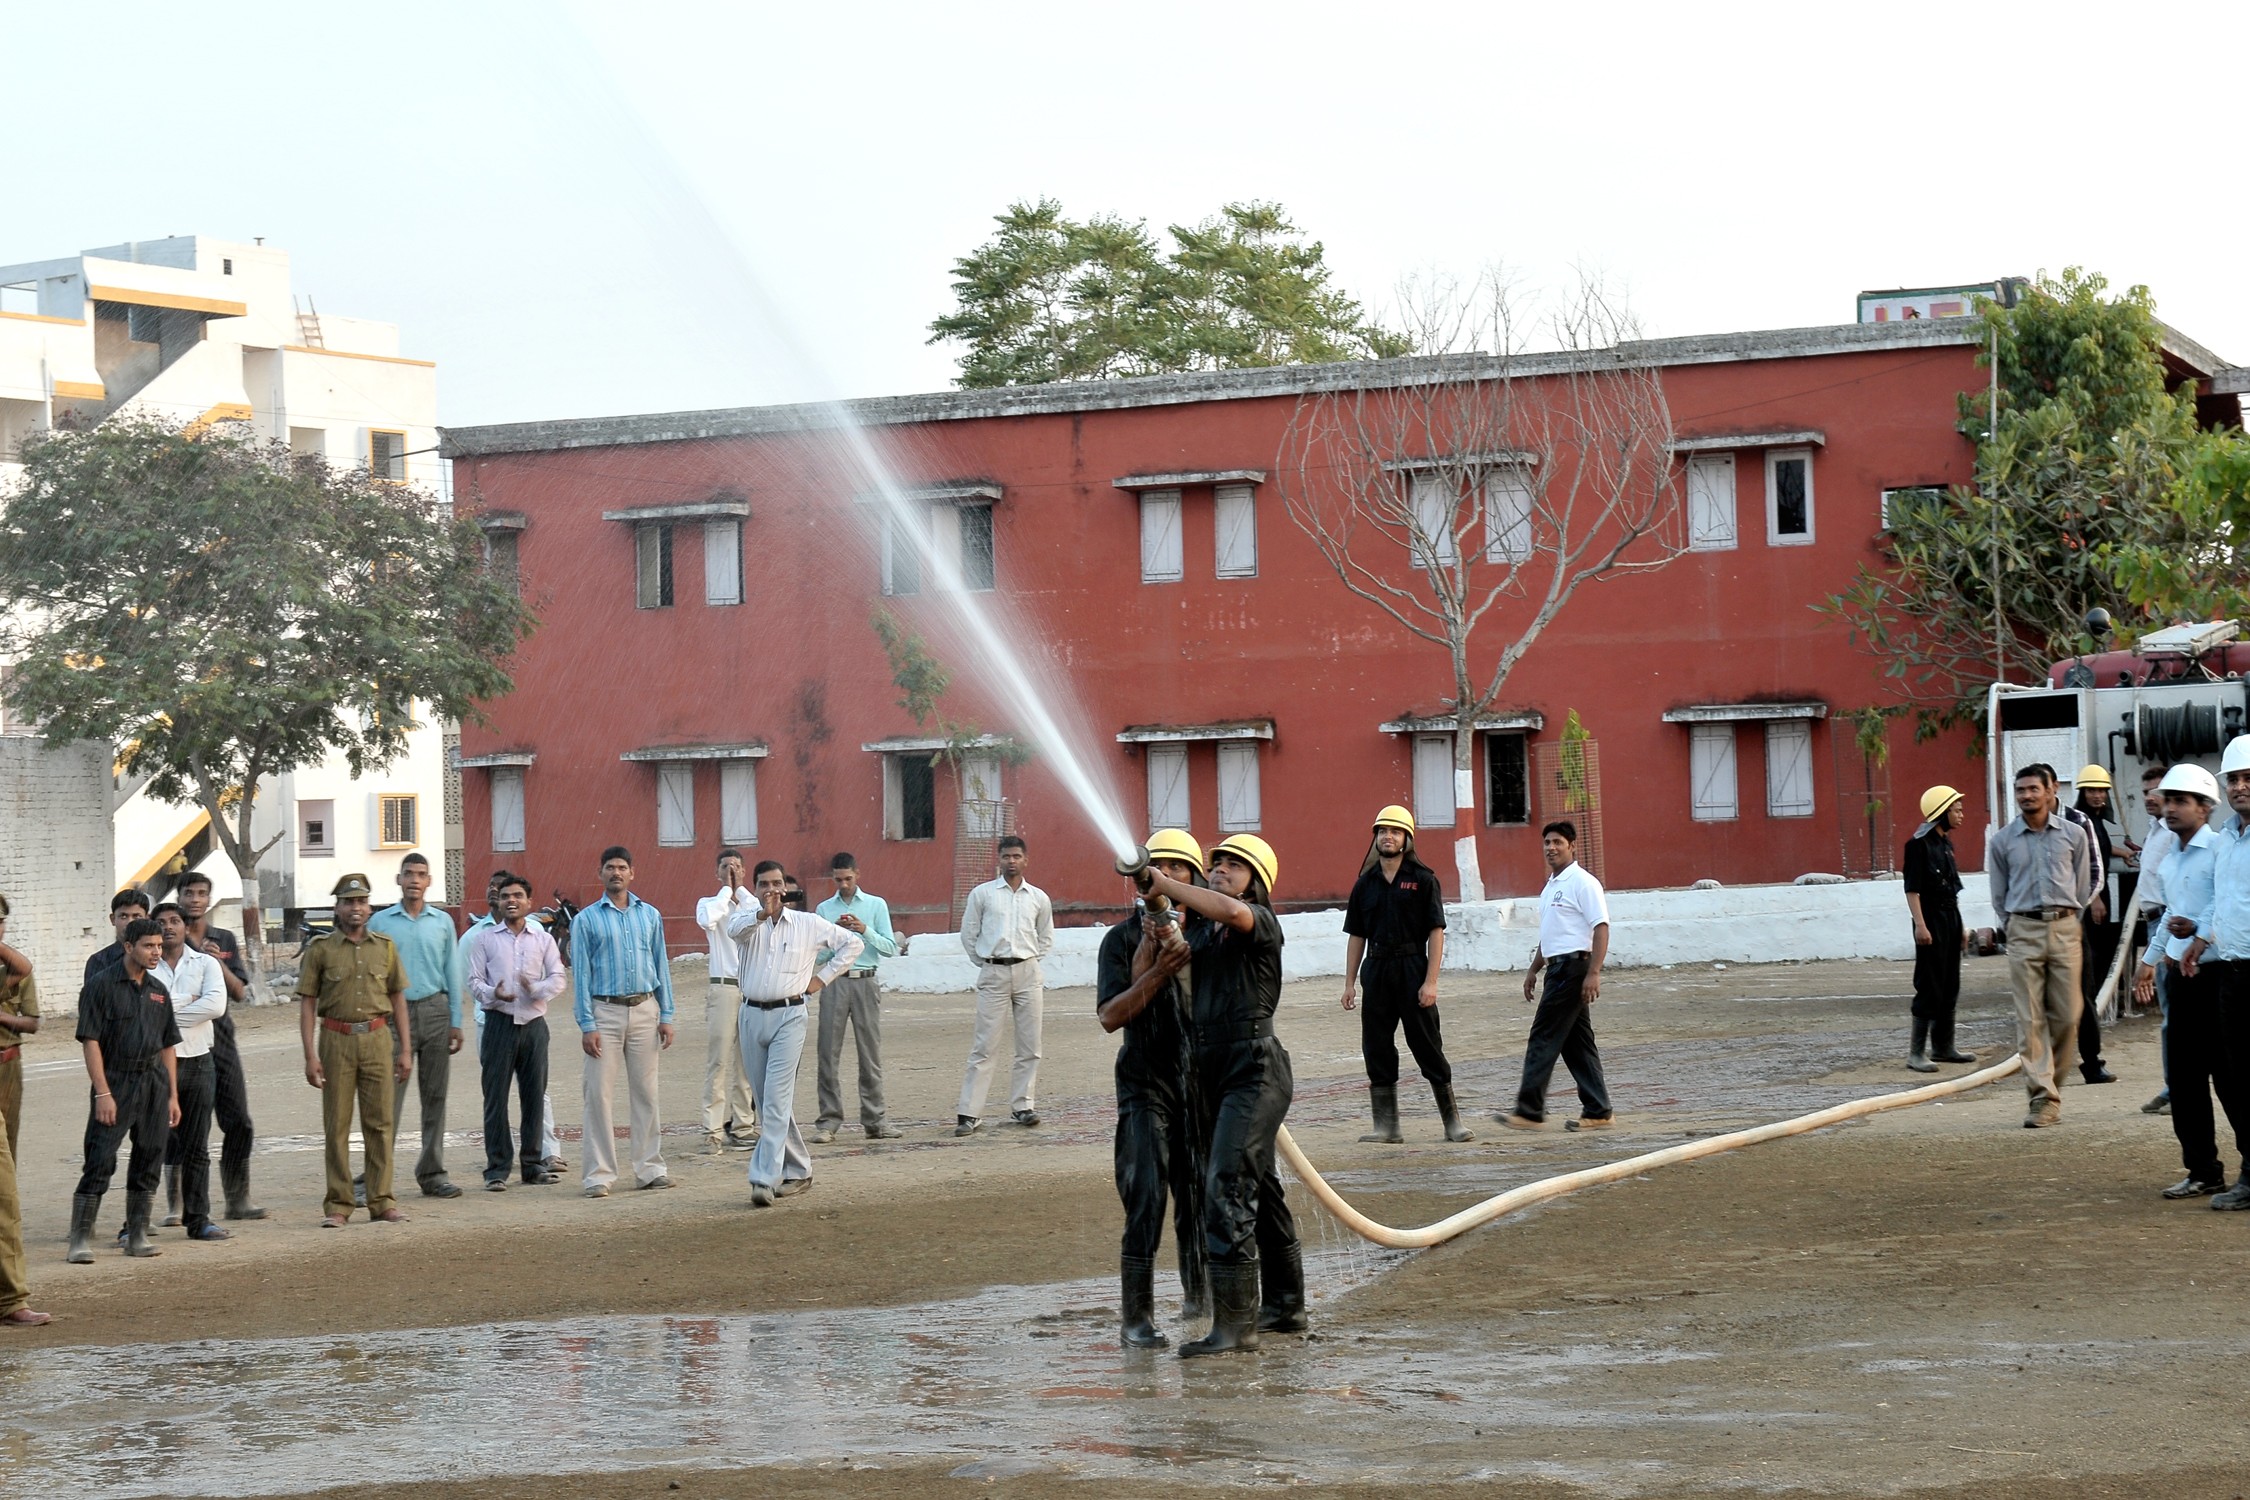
(1710, 502)
(1431, 502)
(1433, 780)
(909, 796)
(1711, 774)
(399, 818)
(1507, 780)
(722, 562)
(976, 546)
(1167, 787)
(1508, 499)
(1161, 560)
(386, 455)
(902, 553)
(1913, 494)
(1238, 786)
(226, 265)
(316, 829)
(652, 546)
(1789, 791)
(144, 325)
(980, 795)
(675, 804)
(1789, 497)
(1236, 507)
(507, 809)
(500, 559)
(738, 802)
(309, 442)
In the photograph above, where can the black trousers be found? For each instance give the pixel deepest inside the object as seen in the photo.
(1246, 1088)
(1390, 988)
(230, 1097)
(1563, 1027)
(144, 1111)
(2204, 1038)
(1159, 1161)
(1937, 963)
(190, 1146)
(518, 1054)
(2100, 949)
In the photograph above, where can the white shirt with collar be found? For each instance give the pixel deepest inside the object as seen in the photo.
(1001, 921)
(2162, 844)
(199, 997)
(712, 914)
(779, 956)
(1571, 906)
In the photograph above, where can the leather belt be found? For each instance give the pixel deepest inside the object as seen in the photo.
(772, 1004)
(1209, 1036)
(355, 1028)
(2049, 913)
(625, 999)
(1004, 962)
(10, 1054)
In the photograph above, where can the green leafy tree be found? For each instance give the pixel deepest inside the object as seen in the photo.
(921, 679)
(223, 611)
(1052, 298)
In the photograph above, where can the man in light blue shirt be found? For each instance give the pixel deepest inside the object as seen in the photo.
(623, 980)
(853, 1000)
(2210, 1051)
(424, 938)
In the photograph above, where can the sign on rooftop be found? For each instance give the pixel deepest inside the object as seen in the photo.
(1903, 304)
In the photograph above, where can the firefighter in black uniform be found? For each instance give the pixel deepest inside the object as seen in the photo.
(128, 1032)
(1244, 1086)
(1141, 988)
(1396, 923)
(1933, 897)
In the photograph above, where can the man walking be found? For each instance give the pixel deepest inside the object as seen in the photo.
(781, 952)
(1007, 928)
(230, 1098)
(729, 1118)
(2195, 1042)
(435, 998)
(854, 1000)
(2091, 812)
(126, 1031)
(351, 992)
(514, 971)
(1933, 899)
(1395, 921)
(1573, 945)
(624, 1014)
(199, 998)
(2041, 871)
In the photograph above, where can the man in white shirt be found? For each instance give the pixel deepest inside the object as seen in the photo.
(199, 997)
(1573, 944)
(729, 1116)
(1007, 928)
(2148, 895)
(514, 970)
(780, 950)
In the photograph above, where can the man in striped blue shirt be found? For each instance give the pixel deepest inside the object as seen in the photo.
(624, 1006)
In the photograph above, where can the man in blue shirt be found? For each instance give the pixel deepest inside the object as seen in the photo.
(853, 1000)
(623, 980)
(2193, 1045)
(2217, 1049)
(434, 990)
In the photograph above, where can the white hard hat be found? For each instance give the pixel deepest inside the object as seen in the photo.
(2237, 757)
(2192, 778)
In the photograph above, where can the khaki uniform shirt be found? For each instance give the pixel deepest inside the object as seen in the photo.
(351, 981)
(19, 996)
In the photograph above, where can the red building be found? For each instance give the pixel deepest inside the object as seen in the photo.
(706, 672)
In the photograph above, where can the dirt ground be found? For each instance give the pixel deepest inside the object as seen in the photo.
(1935, 1302)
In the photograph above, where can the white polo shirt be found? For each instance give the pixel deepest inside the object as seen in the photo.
(1570, 908)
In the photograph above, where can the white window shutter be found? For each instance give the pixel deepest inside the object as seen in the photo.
(1508, 498)
(1433, 509)
(1711, 777)
(507, 809)
(1236, 506)
(675, 803)
(1433, 780)
(722, 562)
(1161, 559)
(1789, 780)
(738, 802)
(980, 787)
(1238, 786)
(1710, 502)
(1167, 787)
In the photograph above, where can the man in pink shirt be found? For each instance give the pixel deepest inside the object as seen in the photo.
(514, 970)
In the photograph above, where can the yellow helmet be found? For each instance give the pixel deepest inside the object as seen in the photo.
(1171, 843)
(1936, 800)
(2092, 776)
(1397, 817)
(1252, 851)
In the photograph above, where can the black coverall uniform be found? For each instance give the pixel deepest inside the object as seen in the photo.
(1396, 918)
(133, 1023)
(1159, 1153)
(1245, 1086)
(1931, 873)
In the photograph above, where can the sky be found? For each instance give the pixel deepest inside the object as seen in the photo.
(583, 210)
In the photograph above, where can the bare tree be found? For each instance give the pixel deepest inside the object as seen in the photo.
(1470, 492)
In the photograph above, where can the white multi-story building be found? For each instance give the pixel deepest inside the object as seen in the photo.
(193, 329)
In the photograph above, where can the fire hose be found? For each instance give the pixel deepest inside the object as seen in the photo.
(1571, 1182)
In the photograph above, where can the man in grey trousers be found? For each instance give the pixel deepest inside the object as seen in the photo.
(853, 1000)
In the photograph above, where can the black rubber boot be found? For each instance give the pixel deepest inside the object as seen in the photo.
(236, 1181)
(1450, 1112)
(1282, 1308)
(1941, 1044)
(1195, 1282)
(1234, 1312)
(85, 1208)
(1138, 1278)
(1385, 1103)
(138, 1206)
(172, 1218)
(1918, 1059)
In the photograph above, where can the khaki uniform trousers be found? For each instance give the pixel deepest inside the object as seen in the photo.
(1008, 995)
(15, 1283)
(360, 1070)
(11, 1100)
(726, 1089)
(2044, 957)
